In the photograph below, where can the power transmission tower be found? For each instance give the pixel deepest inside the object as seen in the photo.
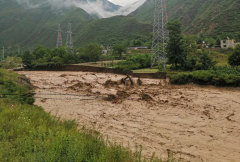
(160, 34)
(69, 42)
(59, 38)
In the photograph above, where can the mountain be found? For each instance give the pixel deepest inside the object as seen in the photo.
(209, 17)
(112, 30)
(27, 26)
(26, 23)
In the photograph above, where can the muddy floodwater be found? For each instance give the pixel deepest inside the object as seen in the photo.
(198, 124)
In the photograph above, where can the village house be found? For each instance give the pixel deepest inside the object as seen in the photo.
(228, 43)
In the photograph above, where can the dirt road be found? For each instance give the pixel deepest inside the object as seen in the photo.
(197, 123)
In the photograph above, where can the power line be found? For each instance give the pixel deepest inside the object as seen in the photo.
(160, 34)
(41, 27)
(25, 21)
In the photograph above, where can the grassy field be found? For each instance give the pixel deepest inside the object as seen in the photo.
(220, 58)
(28, 133)
(101, 63)
(148, 70)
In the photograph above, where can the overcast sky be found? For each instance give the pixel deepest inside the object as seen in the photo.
(122, 2)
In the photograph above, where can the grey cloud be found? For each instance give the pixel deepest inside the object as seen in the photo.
(97, 7)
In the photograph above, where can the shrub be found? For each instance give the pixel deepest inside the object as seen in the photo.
(232, 80)
(181, 78)
(219, 80)
(206, 78)
(135, 61)
(234, 59)
(205, 61)
(202, 77)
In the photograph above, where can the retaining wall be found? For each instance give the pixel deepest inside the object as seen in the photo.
(160, 75)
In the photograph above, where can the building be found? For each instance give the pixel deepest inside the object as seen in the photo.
(228, 43)
(105, 50)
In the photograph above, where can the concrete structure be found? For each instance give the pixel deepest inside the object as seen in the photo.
(136, 48)
(228, 43)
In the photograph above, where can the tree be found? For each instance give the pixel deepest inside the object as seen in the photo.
(190, 44)
(175, 49)
(234, 59)
(205, 61)
(138, 43)
(211, 41)
(118, 49)
(93, 52)
(27, 58)
(40, 51)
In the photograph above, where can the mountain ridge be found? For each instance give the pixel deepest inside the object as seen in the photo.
(209, 17)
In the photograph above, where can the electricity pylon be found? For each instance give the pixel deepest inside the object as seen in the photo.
(59, 38)
(160, 34)
(69, 42)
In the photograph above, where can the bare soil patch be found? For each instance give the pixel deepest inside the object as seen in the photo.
(199, 124)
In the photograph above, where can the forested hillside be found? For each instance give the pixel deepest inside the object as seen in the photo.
(28, 27)
(32, 24)
(112, 30)
(210, 17)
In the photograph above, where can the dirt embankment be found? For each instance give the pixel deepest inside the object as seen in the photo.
(196, 123)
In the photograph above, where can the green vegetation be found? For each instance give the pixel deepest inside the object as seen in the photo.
(218, 19)
(28, 133)
(90, 53)
(182, 53)
(42, 56)
(136, 61)
(224, 76)
(119, 49)
(176, 53)
(27, 28)
(10, 89)
(110, 31)
(11, 62)
(148, 70)
(234, 59)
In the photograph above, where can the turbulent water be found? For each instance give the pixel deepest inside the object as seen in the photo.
(197, 123)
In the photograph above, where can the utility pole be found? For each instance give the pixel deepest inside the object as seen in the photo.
(59, 38)
(160, 34)
(3, 54)
(69, 42)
